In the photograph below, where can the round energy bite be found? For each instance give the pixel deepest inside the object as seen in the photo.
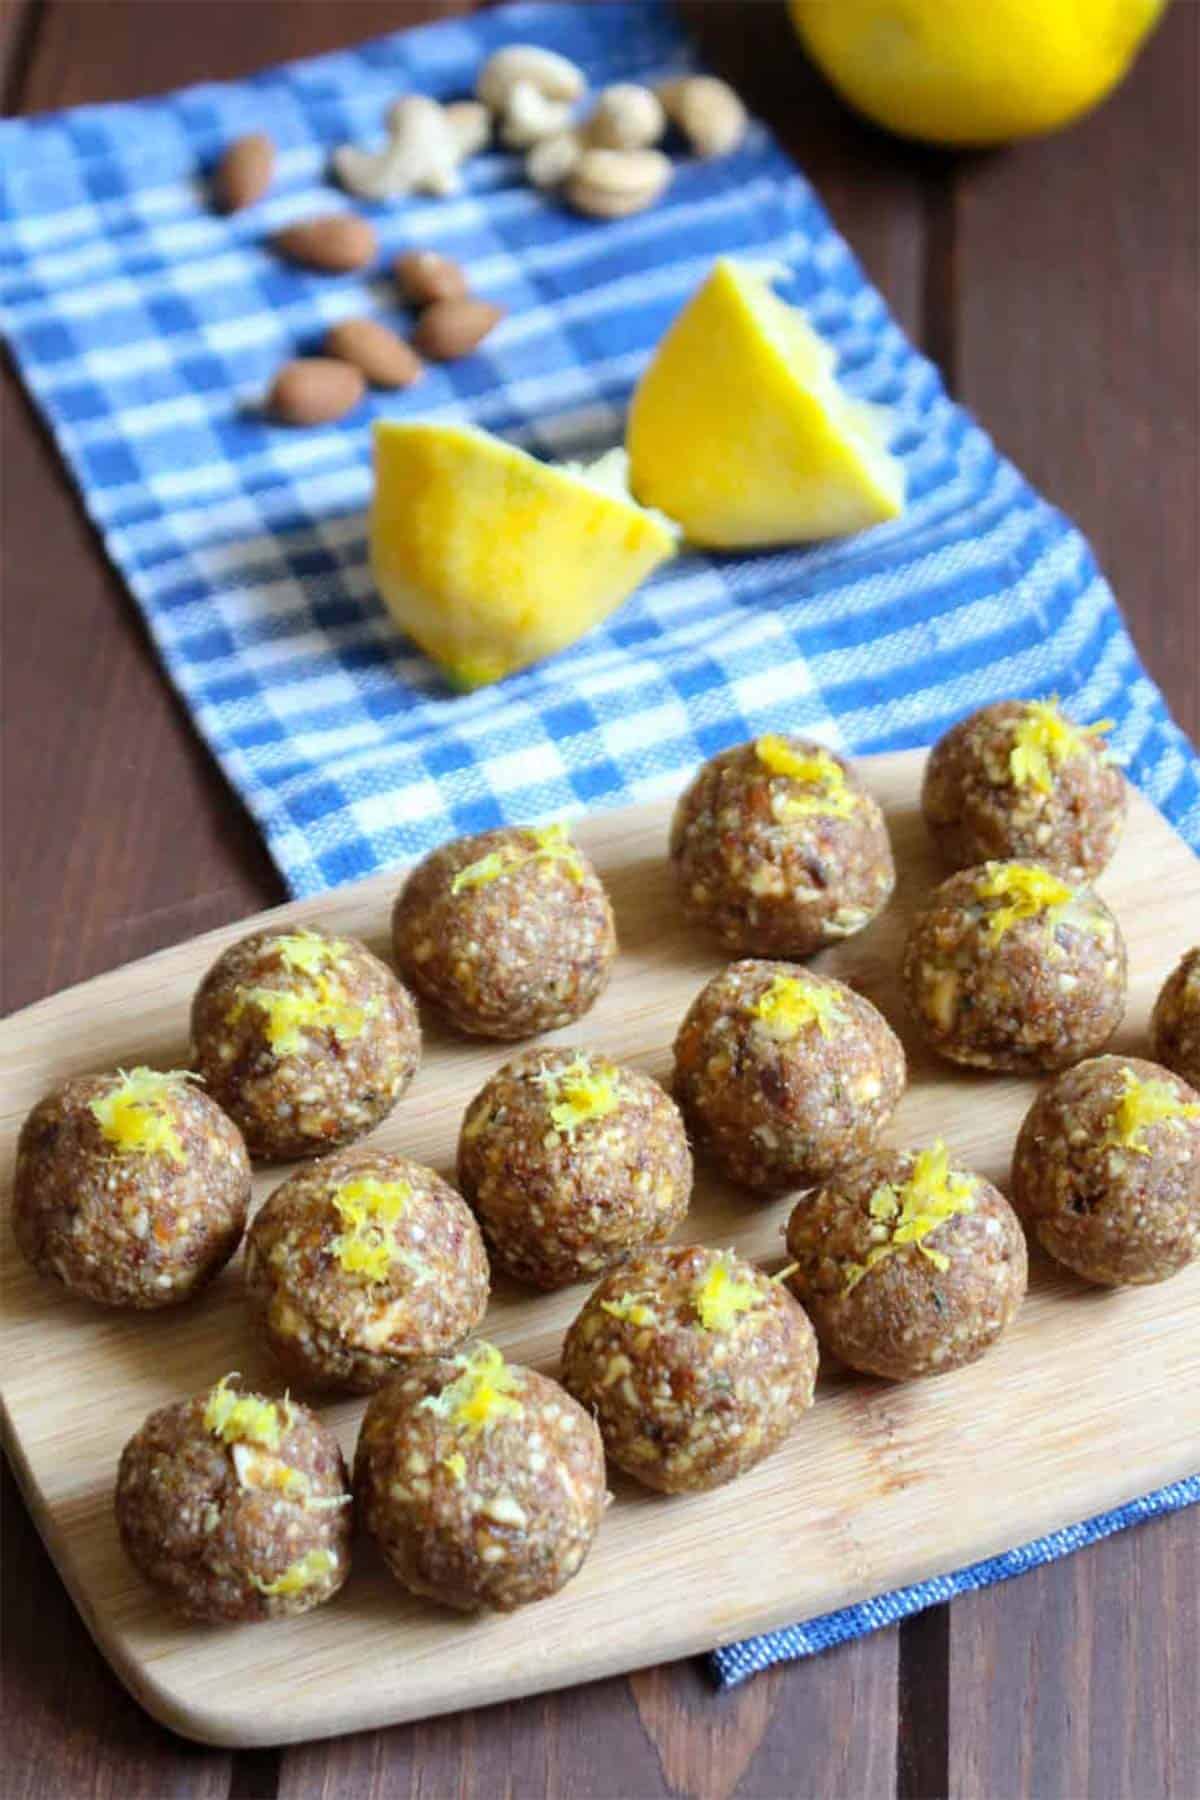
(1175, 1025)
(695, 1364)
(571, 1162)
(784, 1075)
(361, 1263)
(779, 848)
(236, 1507)
(1018, 780)
(1107, 1171)
(906, 1266)
(1010, 967)
(130, 1188)
(482, 1481)
(509, 933)
(306, 1040)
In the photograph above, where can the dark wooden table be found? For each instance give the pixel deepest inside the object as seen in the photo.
(1057, 285)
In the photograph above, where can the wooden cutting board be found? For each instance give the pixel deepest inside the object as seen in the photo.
(1092, 1398)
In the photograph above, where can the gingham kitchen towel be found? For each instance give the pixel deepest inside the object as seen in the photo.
(147, 328)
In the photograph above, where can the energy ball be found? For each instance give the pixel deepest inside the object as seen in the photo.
(509, 933)
(779, 848)
(306, 1040)
(695, 1364)
(1175, 1026)
(1107, 1171)
(131, 1188)
(906, 1266)
(482, 1481)
(1019, 781)
(360, 1264)
(235, 1507)
(570, 1163)
(784, 1075)
(1010, 967)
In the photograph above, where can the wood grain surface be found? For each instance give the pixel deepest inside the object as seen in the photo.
(119, 837)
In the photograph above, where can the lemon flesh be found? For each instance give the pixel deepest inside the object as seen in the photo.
(740, 432)
(973, 71)
(490, 560)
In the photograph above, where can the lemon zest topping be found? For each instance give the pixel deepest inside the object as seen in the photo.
(245, 1418)
(632, 1308)
(457, 1465)
(1142, 1104)
(792, 1002)
(308, 952)
(931, 1195)
(304, 1573)
(553, 845)
(370, 1210)
(584, 1090)
(817, 769)
(1029, 891)
(134, 1115)
(265, 1473)
(720, 1295)
(1044, 740)
(481, 1394)
(289, 1014)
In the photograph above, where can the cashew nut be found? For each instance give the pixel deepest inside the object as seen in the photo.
(421, 156)
(627, 117)
(609, 184)
(707, 111)
(550, 162)
(470, 124)
(552, 75)
(529, 116)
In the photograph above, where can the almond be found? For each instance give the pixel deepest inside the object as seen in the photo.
(337, 242)
(385, 359)
(423, 276)
(314, 390)
(452, 328)
(244, 173)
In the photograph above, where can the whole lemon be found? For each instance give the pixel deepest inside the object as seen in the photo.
(973, 71)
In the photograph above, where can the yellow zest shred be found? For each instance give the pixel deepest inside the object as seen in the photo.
(586, 1089)
(817, 769)
(632, 1308)
(1044, 740)
(1029, 890)
(1142, 1104)
(289, 1014)
(792, 1002)
(481, 1394)
(135, 1117)
(265, 1473)
(931, 1195)
(553, 846)
(721, 1295)
(304, 1573)
(245, 1418)
(457, 1465)
(308, 952)
(370, 1210)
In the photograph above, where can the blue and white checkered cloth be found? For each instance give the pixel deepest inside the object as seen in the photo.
(147, 328)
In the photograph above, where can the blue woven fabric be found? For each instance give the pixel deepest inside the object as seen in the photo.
(147, 328)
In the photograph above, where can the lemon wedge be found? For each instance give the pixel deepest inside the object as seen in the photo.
(740, 432)
(489, 559)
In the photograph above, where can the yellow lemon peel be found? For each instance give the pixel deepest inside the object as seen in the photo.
(1144, 1103)
(1044, 740)
(245, 1418)
(721, 1295)
(480, 1395)
(308, 952)
(457, 1466)
(931, 1195)
(290, 1014)
(817, 769)
(304, 1573)
(370, 1210)
(134, 1116)
(553, 845)
(585, 1090)
(263, 1473)
(792, 1002)
(631, 1308)
(1030, 891)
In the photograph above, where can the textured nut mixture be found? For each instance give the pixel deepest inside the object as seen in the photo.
(130, 1188)
(1009, 967)
(482, 1481)
(906, 1266)
(695, 1364)
(360, 1264)
(509, 932)
(1019, 780)
(1175, 1026)
(1107, 1171)
(571, 1162)
(779, 848)
(784, 1075)
(236, 1507)
(306, 1040)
